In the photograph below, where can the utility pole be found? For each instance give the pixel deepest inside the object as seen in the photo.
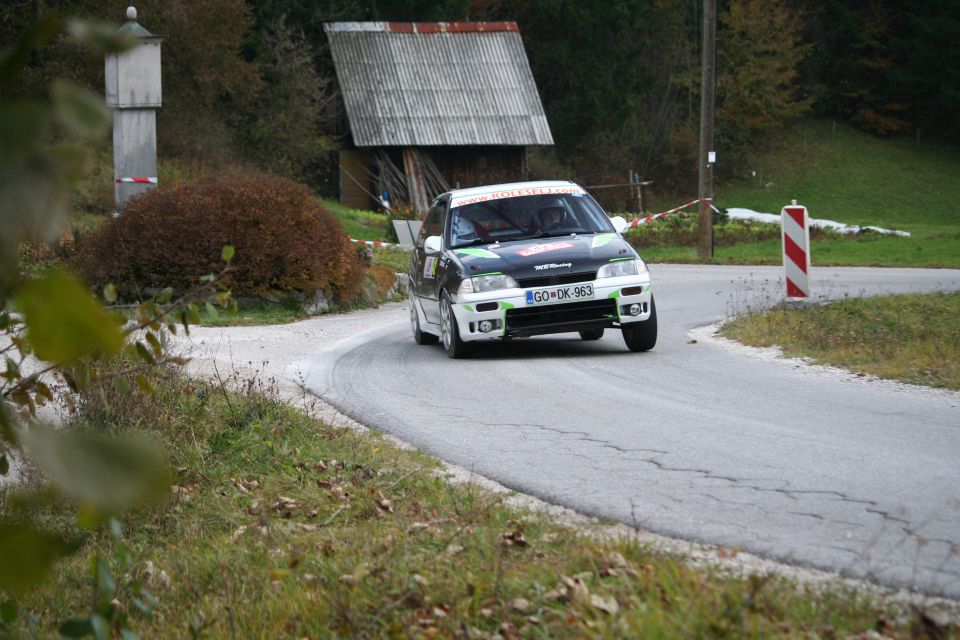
(707, 104)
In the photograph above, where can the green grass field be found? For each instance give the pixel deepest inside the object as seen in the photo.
(855, 178)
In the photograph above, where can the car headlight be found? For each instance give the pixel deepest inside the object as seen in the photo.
(482, 284)
(622, 268)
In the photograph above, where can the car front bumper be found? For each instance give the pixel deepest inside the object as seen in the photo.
(505, 313)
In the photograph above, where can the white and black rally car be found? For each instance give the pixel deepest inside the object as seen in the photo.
(524, 259)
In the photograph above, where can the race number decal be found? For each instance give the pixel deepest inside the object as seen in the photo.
(430, 267)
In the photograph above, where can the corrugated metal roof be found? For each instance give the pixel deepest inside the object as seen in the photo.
(433, 84)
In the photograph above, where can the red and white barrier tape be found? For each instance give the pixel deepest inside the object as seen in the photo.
(376, 243)
(136, 180)
(664, 214)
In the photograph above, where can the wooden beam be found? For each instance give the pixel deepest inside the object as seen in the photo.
(415, 183)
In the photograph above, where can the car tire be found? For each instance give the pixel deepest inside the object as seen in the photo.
(450, 331)
(420, 337)
(642, 336)
(591, 334)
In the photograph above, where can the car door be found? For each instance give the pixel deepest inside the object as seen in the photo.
(425, 266)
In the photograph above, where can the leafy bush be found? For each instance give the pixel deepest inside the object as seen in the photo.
(284, 239)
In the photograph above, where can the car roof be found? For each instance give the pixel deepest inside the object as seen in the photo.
(458, 193)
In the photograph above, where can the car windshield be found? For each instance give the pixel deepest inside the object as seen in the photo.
(534, 216)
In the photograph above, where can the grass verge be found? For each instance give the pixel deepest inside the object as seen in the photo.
(913, 338)
(938, 250)
(257, 313)
(377, 284)
(280, 525)
(359, 224)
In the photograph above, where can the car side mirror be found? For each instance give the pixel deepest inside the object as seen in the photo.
(432, 245)
(619, 223)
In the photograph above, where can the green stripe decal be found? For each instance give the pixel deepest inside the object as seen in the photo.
(476, 253)
(616, 301)
(620, 259)
(603, 238)
(489, 273)
(504, 306)
(468, 308)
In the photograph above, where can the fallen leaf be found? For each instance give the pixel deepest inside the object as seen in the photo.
(452, 550)
(520, 605)
(285, 506)
(555, 594)
(513, 538)
(577, 591)
(616, 560)
(360, 572)
(164, 579)
(607, 604)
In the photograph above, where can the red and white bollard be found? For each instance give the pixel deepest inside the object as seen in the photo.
(796, 250)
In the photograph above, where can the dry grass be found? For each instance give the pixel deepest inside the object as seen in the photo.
(913, 338)
(282, 526)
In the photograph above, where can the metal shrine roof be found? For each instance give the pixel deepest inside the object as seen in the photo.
(437, 83)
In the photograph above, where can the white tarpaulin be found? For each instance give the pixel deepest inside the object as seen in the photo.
(839, 227)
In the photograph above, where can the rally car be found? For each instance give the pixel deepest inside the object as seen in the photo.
(525, 259)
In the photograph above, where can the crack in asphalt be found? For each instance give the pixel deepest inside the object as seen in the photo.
(870, 506)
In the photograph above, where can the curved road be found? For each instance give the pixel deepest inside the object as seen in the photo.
(691, 440)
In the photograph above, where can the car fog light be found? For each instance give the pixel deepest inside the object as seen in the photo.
(485, 326)
(634, 309)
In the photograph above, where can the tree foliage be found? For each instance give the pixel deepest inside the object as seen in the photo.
(891, 66)
(290, 141)
(619, 80)
(758, 59)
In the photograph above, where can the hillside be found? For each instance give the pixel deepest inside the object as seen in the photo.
(843, 174)
(853, 177)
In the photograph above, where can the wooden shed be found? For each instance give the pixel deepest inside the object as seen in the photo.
(433, 106)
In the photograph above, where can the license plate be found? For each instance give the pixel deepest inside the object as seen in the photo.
(555, 295)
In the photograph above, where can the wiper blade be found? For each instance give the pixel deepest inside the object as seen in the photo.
(470, 243)
(547, 234)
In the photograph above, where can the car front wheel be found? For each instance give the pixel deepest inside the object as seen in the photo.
(642, 336)
(452, 344)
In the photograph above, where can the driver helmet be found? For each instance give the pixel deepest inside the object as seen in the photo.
(464, 229)
(551, 214)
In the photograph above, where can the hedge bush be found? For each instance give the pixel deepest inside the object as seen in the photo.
(682, 230)
(284, 239)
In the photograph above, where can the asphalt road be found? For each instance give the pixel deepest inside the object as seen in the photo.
(690, 440)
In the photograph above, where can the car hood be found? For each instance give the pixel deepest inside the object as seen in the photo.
(544, 257)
